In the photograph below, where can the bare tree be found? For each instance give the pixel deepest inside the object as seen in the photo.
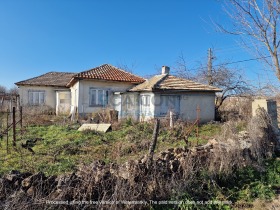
(181, 69)
(124, 66)
(13, 90)
(3, 89)
(257, 22)
(230, 80)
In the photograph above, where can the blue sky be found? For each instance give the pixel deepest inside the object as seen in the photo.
(38, 36)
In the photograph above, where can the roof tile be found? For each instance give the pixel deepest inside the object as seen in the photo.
(168, 82)
(56, 79)
(107, 72)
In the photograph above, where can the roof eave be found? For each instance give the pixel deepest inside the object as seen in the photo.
(105, 80)
(72, 82)
(143, 90)
(173, 90)
(187, 90)
(42, 85)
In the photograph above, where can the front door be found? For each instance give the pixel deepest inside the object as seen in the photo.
(63, 100)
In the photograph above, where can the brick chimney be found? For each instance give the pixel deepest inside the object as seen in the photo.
(165, 70)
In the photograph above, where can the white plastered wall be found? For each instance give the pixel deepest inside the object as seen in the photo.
(130, 105)
(50, 94)
(83, 88)
(188, 106)
(190, 102)
(75, 94)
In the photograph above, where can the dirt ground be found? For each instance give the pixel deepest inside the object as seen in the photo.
(265, 205)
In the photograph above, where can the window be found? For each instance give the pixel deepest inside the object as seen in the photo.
(64, 98)
(145, 100)
(36, 97)
(98, 97)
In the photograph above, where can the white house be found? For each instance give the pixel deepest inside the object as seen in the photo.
(109, 87)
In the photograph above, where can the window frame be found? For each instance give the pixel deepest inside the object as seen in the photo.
(145, 100)
(64, 97)
(104, 96)
(32, 93)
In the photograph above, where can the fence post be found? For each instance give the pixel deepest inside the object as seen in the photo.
(171, 119)
(197, 119)
(11, 109)
(153, 144)
(14, 126)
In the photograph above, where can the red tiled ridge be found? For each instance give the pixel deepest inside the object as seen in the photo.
(109, 72)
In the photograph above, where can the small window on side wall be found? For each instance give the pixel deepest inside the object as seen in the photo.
(145, 100)
(36, 97)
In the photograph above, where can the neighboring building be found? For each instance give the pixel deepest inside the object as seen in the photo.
(109, 87)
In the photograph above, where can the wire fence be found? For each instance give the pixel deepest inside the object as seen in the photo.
(9, 121)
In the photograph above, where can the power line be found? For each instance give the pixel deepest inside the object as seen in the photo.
(252, 59)
(234, 62)
(235, 47)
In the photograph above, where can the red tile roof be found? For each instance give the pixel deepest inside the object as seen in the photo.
(107, 72)
(55, 79)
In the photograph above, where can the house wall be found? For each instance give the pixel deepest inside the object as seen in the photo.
(190, 102)
(188, 106)
(83, 88)
(131, 101)
(163, 104)
(50, 95)
(130, 105)
(75, 94)
(270, 106)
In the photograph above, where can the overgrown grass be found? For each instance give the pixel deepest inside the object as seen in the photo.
(62, 148)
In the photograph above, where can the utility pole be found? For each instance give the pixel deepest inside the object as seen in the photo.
(210, 75)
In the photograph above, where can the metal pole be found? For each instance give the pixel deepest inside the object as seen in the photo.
(11, 108)
(20, 111)
(14, 126)
(7, 140)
